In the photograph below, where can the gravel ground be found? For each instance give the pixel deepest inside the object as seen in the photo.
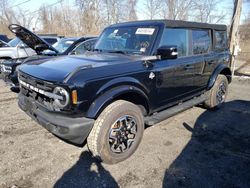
(196, 148)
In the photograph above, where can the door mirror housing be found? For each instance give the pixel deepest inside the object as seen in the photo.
(167, 52)
(22, 46)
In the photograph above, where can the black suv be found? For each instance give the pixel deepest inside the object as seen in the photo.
(140, 73)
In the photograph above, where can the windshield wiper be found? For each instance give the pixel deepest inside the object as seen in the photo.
(97, 50)
(118, 52)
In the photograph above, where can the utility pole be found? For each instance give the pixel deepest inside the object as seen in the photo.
(233, 35)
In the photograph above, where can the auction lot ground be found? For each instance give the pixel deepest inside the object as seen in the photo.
(196, 148)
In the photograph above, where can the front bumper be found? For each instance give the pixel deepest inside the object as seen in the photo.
(71, 129)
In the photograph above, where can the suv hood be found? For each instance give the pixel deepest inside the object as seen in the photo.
(60, 68)
(31, 39)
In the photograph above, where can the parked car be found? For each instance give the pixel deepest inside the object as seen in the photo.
(16, 49)
(4, 38)
(88, 45)
(140, 73)
(8, 66)
(63, 44)
(51, 39)
(3, 44)
(91, 42)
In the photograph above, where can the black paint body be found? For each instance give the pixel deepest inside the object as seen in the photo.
(100, 78)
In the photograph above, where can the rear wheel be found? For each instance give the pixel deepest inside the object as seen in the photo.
(218, 93)
(117, 132)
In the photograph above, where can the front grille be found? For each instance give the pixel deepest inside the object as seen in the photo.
(41, 84)
(38, 90)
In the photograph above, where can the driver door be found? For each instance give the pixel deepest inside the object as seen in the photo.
(175, 77)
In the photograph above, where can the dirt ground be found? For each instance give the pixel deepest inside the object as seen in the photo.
(196, 148)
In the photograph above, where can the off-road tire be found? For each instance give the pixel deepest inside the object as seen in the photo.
(98, 139)
(212, 102)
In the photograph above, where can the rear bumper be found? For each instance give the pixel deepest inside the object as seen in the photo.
(71, 129)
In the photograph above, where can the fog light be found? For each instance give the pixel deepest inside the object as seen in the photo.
(63, 130)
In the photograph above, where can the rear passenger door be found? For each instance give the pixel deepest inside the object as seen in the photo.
(218, 55)
(201, 45)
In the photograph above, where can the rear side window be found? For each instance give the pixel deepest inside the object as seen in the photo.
(178, 37)
(220, 40)
(201, 42)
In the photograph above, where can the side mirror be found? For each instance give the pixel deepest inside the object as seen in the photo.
(167, 52)
(22, 46)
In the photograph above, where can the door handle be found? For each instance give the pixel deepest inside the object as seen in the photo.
(209, 62)
(188, 67)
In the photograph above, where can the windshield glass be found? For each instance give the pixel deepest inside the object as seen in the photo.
(63, 44)
(132, 40)
(3, 44)
(14, 42)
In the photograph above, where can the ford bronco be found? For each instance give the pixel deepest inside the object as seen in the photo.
(139, 74)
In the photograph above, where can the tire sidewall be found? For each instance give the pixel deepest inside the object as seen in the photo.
(220, 79)
(103, 142)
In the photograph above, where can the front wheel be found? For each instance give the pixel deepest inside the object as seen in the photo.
(218, 93)
(117, 132)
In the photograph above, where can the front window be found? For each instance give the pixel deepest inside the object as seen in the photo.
(178, 37)
(128, 40)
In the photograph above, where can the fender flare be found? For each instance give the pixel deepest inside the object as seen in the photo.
(220, 68)
(106, 98)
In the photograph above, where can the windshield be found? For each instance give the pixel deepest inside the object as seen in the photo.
(14, 42)
(131, 40)
(3, 44)
(63, 45)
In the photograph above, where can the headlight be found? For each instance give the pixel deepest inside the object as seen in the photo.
(61, 103)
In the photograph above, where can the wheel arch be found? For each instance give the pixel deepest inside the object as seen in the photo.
(129, 93)
(220, 69)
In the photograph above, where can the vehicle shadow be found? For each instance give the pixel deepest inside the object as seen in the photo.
(87, 172)
(218, 153)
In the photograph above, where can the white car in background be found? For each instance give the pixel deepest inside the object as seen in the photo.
(16, 49)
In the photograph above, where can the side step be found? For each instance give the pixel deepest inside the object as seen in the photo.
(158, 117)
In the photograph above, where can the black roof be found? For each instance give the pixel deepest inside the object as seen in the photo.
(176, 24)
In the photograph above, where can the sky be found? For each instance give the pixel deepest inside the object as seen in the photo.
(33, 6)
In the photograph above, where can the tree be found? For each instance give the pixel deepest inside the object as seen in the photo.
(177, 9)
(206, 11)
(153, 8)
(131, 4)
(90, 15)
(112, 11)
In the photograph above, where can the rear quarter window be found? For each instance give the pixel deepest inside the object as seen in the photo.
(220, 40)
